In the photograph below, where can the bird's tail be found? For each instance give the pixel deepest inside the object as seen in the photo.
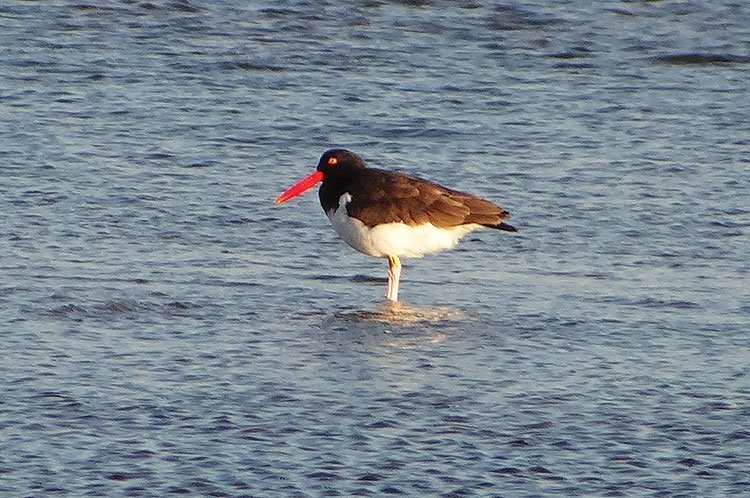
(502, 226)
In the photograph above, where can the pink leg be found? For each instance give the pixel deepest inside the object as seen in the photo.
(394, 275)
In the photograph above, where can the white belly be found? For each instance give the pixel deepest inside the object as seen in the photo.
(393, 239)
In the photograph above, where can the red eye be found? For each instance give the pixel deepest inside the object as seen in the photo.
(333, 160)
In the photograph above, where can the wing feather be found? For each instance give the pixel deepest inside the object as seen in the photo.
(385, 197)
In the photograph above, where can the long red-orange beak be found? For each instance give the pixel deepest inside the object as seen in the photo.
(306, 183)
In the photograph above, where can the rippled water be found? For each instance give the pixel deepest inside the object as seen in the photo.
(166, 330)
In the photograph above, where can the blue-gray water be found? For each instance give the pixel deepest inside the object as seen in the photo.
(167, 330)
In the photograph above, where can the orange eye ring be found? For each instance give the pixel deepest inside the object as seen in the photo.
(333, 160)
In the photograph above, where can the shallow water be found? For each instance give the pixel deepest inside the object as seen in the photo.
(166, 329)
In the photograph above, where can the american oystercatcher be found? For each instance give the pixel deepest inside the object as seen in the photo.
(386, 214)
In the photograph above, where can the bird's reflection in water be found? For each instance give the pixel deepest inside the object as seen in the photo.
(400, 343)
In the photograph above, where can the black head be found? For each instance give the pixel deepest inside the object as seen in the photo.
(336, 168)
(340, 163)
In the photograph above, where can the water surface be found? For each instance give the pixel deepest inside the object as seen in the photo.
(167, 330)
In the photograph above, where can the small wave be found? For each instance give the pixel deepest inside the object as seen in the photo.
(702, 59)
(67, 309)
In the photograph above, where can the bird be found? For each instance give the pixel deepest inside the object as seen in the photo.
(393, 215)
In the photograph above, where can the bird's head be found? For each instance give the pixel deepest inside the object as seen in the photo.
(333, 164)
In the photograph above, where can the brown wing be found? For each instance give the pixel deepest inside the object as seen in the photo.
(385, 196)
